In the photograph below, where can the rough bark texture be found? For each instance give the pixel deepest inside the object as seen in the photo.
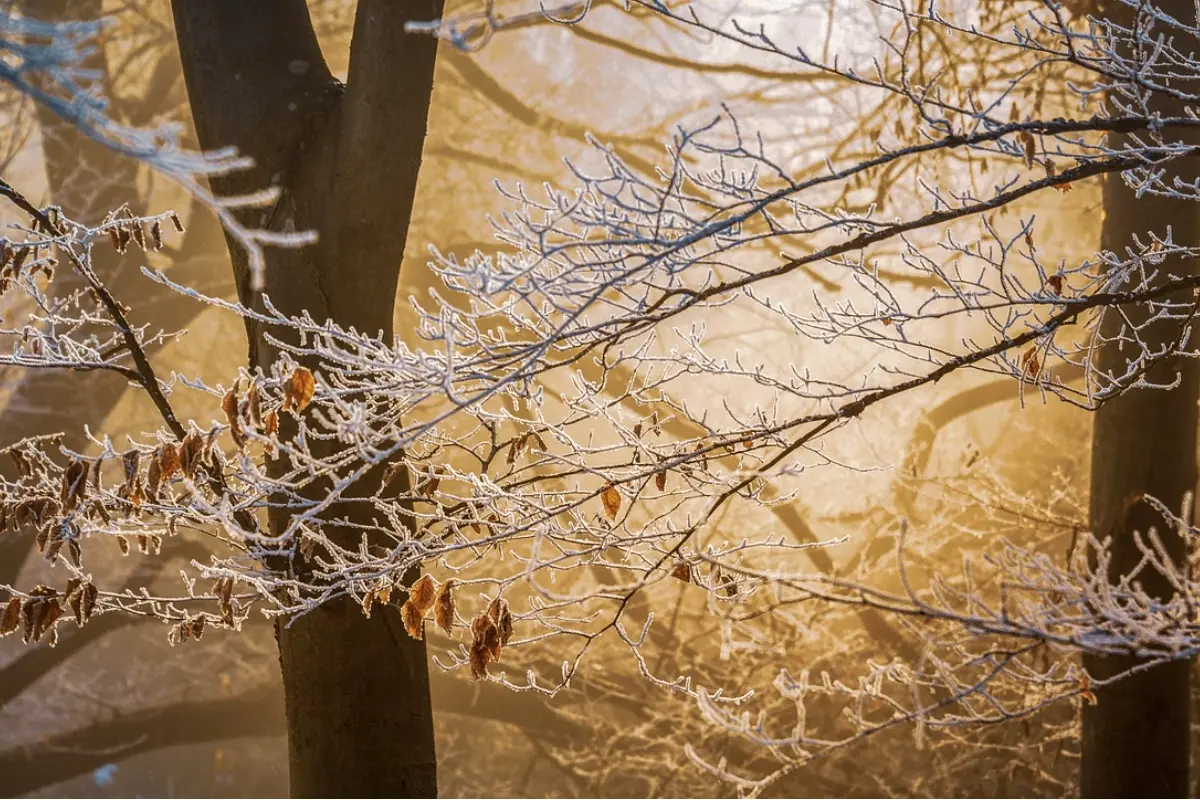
(1136, 738)
(357, 693)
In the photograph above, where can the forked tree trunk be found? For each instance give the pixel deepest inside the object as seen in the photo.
(359, 720)
(1136, 738)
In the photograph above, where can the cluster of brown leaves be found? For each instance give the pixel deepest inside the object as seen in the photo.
(123, 228)
(190, 628)
(39, 613)
(239, 410)
(188, 458)
(521, 443)
(13, 257)
(490, 633)
(425, 596)
(727, 585)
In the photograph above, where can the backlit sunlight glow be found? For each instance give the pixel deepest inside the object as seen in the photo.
(570, 441)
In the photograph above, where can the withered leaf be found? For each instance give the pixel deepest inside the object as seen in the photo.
(443, 607)
(254, 405)
(74, 593)
(422, 595)
(299, 389)
(479, 661)
(189, 453)
(57, 539)
(502, 616)
(1030, 364)
(168, 460)
(11, 619)
(74, 484)
(660, 480)
(1029, 146)
(486, 636)
(612, 501)
(682, 572)
(271, 423)
(224, 590)
(367, 602)
(1055, 284)
(87, 601)
(153, 478)
(414, 620)
(229, 405)
(130, 462)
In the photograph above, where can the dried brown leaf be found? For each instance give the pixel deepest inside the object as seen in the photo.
(11, 620)
(414, 620)
(443, 607)
(422, 594)
(168, 460)
(479, 661)
(1029, 145)
(299, 390)
(74, 484)
(130, 462)
(254, 405)
(612, 501)
(229, 405)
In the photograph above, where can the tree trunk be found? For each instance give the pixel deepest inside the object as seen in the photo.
(357, 694)
(1136, 737)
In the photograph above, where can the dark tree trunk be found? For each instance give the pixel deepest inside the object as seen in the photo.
(357, 694)
(1136, 738)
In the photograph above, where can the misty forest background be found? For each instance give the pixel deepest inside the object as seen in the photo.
(963, 460)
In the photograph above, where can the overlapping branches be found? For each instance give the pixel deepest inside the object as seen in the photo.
(527, 459)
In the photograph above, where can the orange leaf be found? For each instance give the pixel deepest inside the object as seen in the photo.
(421, 595)
(1030, 146)
(414, 620)
(299, 389)
(1029, 362)
(612, 501)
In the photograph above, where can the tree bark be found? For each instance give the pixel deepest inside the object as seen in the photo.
(1136, 737)
(346, 158)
